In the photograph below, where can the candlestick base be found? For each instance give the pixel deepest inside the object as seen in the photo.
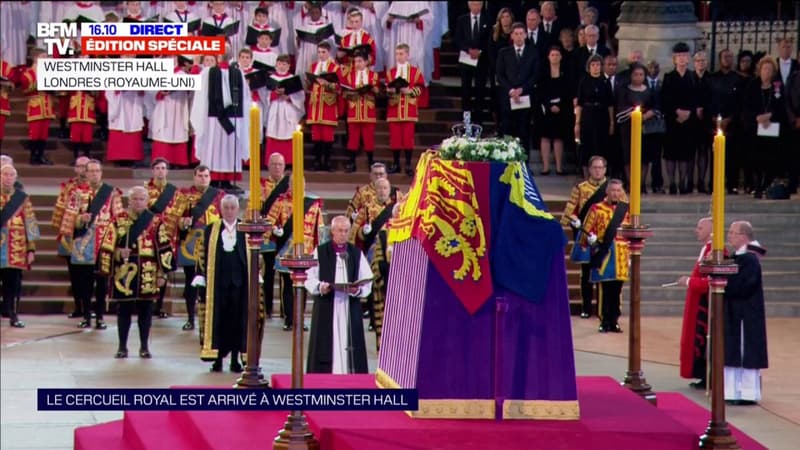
(717, 434)
(255, 227)
(634, 380)
(295, 435)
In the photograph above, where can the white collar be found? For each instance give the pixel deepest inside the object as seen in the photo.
(229, 225)
(742, 250)
(516, 49)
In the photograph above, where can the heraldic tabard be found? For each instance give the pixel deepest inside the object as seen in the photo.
(478, 319)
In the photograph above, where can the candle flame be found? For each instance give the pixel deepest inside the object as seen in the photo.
(299, 127)
(255, 105)
(719, 131)
(638, 108)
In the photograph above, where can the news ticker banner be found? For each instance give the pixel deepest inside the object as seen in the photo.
(227, 399)
(120, 56)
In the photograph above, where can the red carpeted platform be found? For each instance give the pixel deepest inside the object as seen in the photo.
(611, 417)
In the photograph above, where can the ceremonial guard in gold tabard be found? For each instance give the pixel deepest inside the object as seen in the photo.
(370, 219)
(583, 196)
(275, 185)
(18, 234)
(366, 193)
(165, 202)
(137, 254)
(609, 253)
(281, 216)
(64, 241)
(200, 207)
(91, 208)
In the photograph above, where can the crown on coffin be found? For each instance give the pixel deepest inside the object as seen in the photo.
(467, 129)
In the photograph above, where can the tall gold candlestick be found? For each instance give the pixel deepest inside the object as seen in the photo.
(636, 162)
(255, 158)
(298, 186)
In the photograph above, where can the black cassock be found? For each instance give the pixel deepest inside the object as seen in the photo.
(320, 346)
(744, 311)
(226, 291)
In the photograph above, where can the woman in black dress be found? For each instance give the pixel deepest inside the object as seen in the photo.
(763, 107)
(745, 70)
(679, 103)
(553, 102)
(628, 98)
(594, 114)
(501, 37)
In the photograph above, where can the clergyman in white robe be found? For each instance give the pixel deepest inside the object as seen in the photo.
(341, 306)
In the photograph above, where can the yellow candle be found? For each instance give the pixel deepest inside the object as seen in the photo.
(636, 161)
(718, 199)
(297, 185)
(255, 158)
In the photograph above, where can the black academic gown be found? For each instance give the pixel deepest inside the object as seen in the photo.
(744, 309)
(320, 346)
(229, 287)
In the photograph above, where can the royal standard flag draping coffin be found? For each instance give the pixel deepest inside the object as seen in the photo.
(478, 317)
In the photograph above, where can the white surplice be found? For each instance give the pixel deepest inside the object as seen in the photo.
(125, 111)
(284, 115)
(307, 51)
(170, 118)
(15, 21)
(341, 306)
(220, 151)
(403, 32)
(372, 23)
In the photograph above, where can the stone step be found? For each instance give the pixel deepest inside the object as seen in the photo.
(685, 263)
(675, 309)
(775, 219)
(677, 249)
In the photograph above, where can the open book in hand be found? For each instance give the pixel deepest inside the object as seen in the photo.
(347, 286)
(364, 49)
(290, 85)
(257, 79)
(331, 77)
(410, 17)
(363, 90)
(192, 25)
(209, 29)
(315, 37)
(253, 33)
(398, 83)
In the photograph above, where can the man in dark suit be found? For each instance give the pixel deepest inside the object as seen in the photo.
(517, 66)
(787, 65)
(550, 24)
(534, 34)
(615, 159)
(655, 139)
(592, 47)
(472, 37)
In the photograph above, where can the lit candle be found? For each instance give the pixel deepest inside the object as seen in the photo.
(636, 161)
(718, 198)
(297, 185)
(255, 158)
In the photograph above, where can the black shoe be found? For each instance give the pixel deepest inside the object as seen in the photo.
(287, 328)
(758, 194)
(305, 327)
(700, 384)
(100, 325)
(545, 173)
(217, 366)
(189, 325)
(410, 172)
(236, 367)
(145, 353)
(615, 329)
(316, 166)
(394, 168)
(585, 315)
(702, 190)
(371, 327)
(75, 315)
(16, 323)
(733, 191)
(162, 315)
(560, 173)
(85, 324)
(673, 190)
(602, 329)
(44, 161)
(123, 353)
(349, 168)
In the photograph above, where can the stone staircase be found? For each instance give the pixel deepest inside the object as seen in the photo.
(669, 254)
